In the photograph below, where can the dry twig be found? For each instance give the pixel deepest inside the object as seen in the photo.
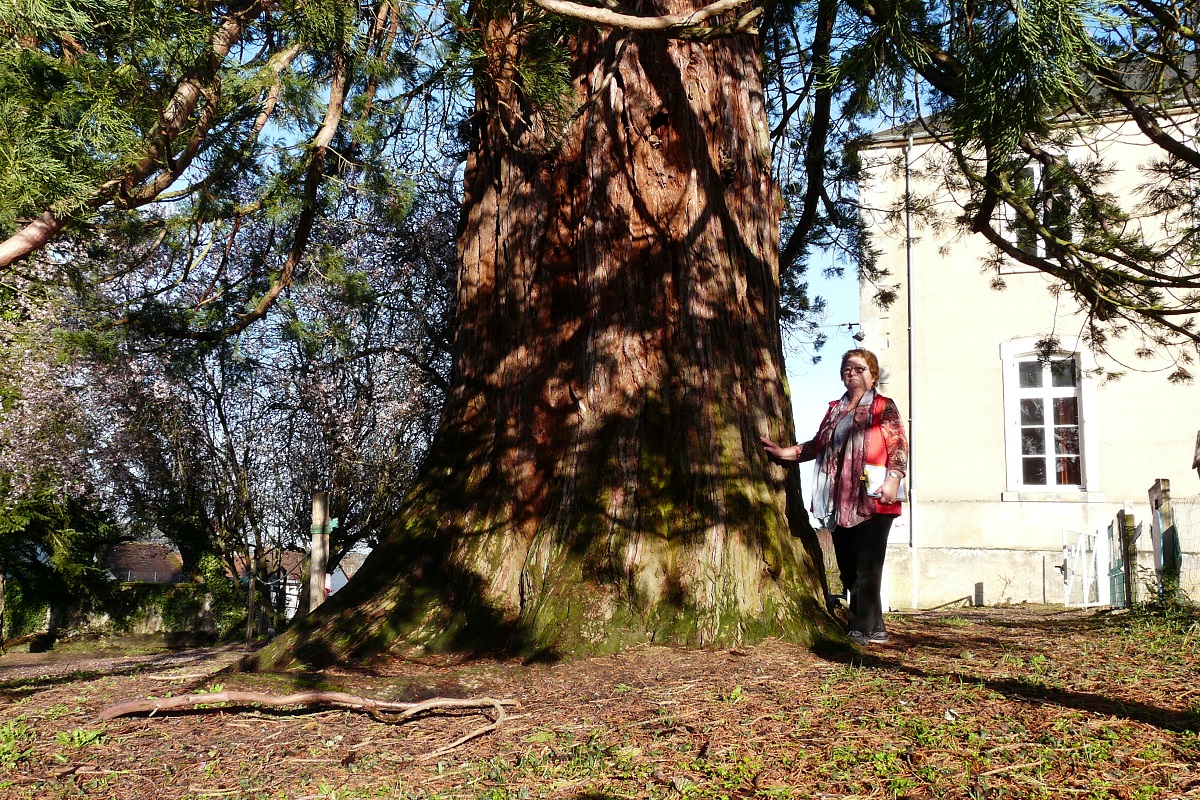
(1010, 768)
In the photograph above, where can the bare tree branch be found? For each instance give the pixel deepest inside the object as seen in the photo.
(683, 26)
(382, 710)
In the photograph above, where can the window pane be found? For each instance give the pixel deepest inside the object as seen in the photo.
(1026, 180)
(1031, 374)
(1033, 441)
(1057, 204)
(1068, 472)
(1062, 373)
(1066, 441)
(1027, 241)
(1032, 411)
(1049, 412)
(1066, 411)
(1058, 216)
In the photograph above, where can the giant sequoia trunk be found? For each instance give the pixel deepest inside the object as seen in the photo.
(597, 479)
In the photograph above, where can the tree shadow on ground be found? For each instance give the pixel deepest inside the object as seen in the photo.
(1066, 619)
(1030, 691)
(1167, 719)
(16, 681)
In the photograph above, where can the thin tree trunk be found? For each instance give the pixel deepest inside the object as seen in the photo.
(250, 604)
(597, 480)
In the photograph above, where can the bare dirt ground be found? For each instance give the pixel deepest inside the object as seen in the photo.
(968, 703)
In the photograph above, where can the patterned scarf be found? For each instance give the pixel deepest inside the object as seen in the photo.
(837, 498)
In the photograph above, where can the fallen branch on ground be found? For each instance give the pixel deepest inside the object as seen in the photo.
(382, 710)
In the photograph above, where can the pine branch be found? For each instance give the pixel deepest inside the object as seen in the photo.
(319, 147)
(814, 157)
(171, 124)
(1142, 115)
(276, 65)
(1168, 20)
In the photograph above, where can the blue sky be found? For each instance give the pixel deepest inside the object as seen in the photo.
(814, 385)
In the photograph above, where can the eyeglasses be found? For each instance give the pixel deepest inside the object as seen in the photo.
(854, 370)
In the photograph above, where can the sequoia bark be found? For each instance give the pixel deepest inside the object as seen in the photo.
(597, 479)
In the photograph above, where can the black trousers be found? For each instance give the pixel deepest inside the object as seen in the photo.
(860, 552)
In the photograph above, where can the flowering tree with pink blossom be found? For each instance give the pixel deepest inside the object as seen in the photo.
(51, 524)
(218, 445)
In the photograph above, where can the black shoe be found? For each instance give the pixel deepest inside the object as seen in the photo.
(858, 637)
(877, 637)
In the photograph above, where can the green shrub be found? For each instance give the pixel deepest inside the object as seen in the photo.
(214, 603)
(226, 602)
(21, 615)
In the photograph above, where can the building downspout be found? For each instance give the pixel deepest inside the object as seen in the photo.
(914, 565)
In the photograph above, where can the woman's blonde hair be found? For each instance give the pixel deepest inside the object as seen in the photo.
(865, 355)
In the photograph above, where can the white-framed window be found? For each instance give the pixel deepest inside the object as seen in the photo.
(1051, 446)
(1050, 200)
(1048, 407)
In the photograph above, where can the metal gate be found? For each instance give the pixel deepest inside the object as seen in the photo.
(1085, 569)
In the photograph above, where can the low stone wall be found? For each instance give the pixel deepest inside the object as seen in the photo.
(174, 608)
(938, 576)
(188, 611)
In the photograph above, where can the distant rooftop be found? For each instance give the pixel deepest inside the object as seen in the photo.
(151, 563)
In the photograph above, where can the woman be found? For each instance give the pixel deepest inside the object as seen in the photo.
(861, 428)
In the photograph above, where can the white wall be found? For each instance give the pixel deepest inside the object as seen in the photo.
(963, 528)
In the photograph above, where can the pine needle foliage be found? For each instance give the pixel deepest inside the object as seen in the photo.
(1024, 58)
(165, 140)
(1018, 89)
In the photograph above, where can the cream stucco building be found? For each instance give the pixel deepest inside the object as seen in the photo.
(1009, 454)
